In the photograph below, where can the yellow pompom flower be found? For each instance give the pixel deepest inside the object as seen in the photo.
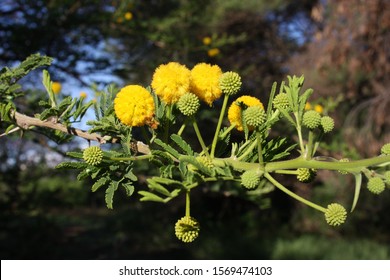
(235, 110)
(205, 82)
(134, 106)
(83, 94)
(171, 81)
(56, 87)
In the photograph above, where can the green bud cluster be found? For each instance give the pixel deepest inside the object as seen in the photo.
(206, 161)
(187, 229)
(327, 124)
(281, 101)
(250, 179)
(93, 155)
(387, 177)
(311, 119)
(306, 175)
(188, 104)
(386, 149)
(255, 116)
(376, 185)
(342, 171)
(335, 214)
(230, 83)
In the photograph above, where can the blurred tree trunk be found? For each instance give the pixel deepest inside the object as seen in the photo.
(349, 56)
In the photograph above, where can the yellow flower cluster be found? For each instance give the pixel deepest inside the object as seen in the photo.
(171, 81)
(235, 110)
(134, 106)
(205, 82)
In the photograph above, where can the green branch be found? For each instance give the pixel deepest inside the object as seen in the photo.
(352, 166)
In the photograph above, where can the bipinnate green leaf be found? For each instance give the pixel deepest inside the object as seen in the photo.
(110, 191)
(47, 83)
(5, 112)
(148, 196)
(129, 188)
(71, 165)
(182, 144)
(153, 185)
(65, 103)
(99, 183)
(75, 154)
(83, 174)
(167, 148)
(162, 156)
(286, 114)
(303, 99)
(131, 176)
(30, 63)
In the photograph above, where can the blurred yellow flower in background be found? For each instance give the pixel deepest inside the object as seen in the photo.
(206, 40)
(83, 94)
(307, 106)
(128, 16)
(318, 108)
(213, 52)
(56, 87)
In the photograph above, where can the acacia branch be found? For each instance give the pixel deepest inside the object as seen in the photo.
(26, 122)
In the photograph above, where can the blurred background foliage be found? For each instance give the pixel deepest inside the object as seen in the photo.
(342, 48)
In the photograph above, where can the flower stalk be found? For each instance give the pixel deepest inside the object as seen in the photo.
(294, 195)
(220, 120)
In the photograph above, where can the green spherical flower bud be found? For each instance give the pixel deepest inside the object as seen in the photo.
(342, 171)
(188, 104)
(187, 229)
(250, 179)
(206, 161)
(386, 149)
(306, 175)
(335, 214)
(255, 116)
(311, 119)
(93, 155)
(387, 177)
(376, 185)
(327, 124)
(281, 101)
(230, 83)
